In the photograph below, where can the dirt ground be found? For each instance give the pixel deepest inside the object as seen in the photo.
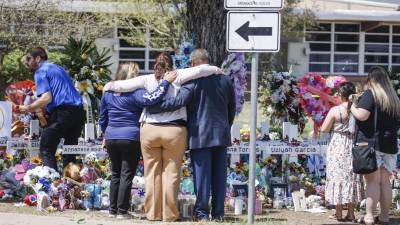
(14, 215)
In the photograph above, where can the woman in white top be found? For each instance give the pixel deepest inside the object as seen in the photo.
(163, 138)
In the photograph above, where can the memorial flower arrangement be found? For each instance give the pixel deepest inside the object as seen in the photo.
(88, 67)
(40, 179)
(279, 98)
(316, 95)
(235, 67)
(311, 105)
(182, 56)
(334, 82)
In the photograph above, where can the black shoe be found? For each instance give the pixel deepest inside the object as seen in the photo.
(200, 218)
(218, 219)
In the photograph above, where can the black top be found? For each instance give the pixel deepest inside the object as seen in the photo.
(387, 125)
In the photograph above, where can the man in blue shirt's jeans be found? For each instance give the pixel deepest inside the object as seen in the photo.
(55, 90)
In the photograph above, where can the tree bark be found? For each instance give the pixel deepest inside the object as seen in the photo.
(2, 78)
(206, 19)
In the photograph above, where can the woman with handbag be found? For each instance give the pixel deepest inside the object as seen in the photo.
(342, 185)
(378, 114)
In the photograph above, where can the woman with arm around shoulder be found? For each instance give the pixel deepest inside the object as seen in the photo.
(342, 185)
(119, 121)
(380, 95)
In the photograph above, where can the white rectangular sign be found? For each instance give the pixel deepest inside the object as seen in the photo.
(253, 31)
(81, 149)
(5, 118)
(253, 4)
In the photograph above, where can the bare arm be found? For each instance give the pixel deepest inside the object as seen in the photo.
(328, 122)
(188, 74)
(42, 101)
(360, 113)
(126, 85)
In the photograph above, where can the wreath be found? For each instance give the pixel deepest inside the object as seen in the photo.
(316, 95)
(279, 98)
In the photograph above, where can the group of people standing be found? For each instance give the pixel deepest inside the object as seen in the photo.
(343, 186)
(158, 117)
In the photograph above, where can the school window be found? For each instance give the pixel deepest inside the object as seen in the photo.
(343, 49)
(144, 55)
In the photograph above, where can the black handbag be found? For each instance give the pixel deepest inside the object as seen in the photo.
(364, 156)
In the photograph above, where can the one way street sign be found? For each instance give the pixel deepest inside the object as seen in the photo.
(253, 31)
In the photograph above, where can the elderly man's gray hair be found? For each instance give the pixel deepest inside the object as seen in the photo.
(200, 54)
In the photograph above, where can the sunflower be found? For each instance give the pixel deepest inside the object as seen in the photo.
(37, 160)
(9, 156)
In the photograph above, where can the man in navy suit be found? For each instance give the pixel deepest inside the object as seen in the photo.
(210, 104)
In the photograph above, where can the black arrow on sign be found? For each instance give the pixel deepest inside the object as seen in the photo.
(245, 31)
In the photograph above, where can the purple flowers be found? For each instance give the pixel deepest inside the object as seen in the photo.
(235, 67)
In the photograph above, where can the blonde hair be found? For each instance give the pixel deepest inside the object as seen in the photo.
(384, 94)
(127, 71)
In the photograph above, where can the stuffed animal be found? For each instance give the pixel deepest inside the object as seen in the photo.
(92, 183)
(72, 171)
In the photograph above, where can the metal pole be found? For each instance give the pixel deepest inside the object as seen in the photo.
(253, 127)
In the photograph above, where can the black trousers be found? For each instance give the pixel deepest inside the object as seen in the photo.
(64, 122)
(124, 155)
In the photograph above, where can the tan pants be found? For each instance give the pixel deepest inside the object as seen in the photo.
(163, 148)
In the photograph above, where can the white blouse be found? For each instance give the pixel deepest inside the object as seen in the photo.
(150, 83)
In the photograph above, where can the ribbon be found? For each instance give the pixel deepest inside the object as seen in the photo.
(87, 104)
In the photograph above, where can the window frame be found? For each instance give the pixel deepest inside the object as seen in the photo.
(361, 48)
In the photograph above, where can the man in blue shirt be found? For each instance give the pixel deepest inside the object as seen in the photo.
(55, 90)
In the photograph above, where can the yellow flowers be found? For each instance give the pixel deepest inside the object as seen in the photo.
(84, 56)
(100, 87)
(37, 160)
(9, 156)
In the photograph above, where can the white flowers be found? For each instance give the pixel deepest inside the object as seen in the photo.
(33, 178)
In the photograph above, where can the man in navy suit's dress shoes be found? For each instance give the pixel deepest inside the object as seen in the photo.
(210, 103)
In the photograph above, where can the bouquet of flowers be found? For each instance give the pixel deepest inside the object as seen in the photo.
(334, 82)
(22, 93)
(40, 179)
(182, 57)
(88, 67)
(235, 67)
(279, 98)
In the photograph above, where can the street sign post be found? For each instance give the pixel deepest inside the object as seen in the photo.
(253, 4)
(253, 31)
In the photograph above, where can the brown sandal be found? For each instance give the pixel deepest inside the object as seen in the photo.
(349, 219)
(335, 217)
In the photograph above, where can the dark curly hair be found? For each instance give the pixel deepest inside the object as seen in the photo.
(163, 64)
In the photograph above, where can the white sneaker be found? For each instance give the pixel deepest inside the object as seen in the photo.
(112, 215)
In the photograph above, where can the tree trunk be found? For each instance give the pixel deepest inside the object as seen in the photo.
(2, 78)
(206, 19)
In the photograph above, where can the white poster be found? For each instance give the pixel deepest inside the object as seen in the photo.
(5, 118)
